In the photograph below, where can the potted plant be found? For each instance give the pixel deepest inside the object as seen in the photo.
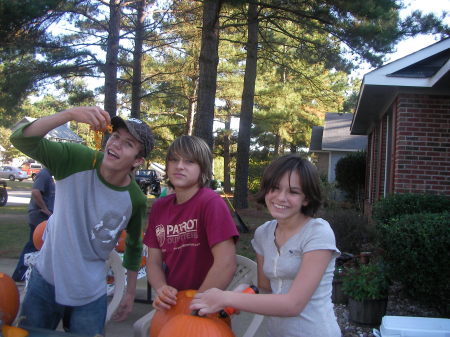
(338, 296)
(367, 287)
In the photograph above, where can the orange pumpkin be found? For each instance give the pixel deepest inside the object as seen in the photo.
(191, 325)
(12, 331)
(184, 298)
(9, 299)
(37, 235)
(120, 247)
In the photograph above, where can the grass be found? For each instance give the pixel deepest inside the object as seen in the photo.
(24, 185)
(14, 228)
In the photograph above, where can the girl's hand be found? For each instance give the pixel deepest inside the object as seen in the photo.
(97, 118)
(166, 298)
(211, 301)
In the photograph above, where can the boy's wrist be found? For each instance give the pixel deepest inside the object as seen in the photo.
(66, 115)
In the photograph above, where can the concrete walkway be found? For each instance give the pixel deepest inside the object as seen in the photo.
(125, 328)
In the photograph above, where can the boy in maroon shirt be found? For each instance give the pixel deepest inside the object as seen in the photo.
(191, 234)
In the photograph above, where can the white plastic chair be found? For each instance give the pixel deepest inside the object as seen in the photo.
(246, 273)
(115, 263)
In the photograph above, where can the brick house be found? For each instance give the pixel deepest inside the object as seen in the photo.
(404, 108)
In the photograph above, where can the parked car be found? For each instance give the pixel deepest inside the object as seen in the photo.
(3, 193)
(32, 169)
(148, 181)
(12, 173)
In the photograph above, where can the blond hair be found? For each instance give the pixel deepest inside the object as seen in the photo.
(195, 149)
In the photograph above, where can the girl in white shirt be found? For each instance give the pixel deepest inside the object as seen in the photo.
(295, 254)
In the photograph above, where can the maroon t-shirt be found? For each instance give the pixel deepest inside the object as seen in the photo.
(185, 234)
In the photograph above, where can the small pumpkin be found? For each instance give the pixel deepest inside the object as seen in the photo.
(38, 233)
(9, 299)
(120, 247)
(12, 331)
(184, 298)
(192, 325)
(143, 261)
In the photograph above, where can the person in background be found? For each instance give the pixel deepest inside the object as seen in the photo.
(39, 209)
(96, 198)
(295, 254)
(190, 234)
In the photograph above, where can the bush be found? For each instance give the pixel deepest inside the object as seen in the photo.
(214, 184)
(366, 282)
(350, 175)
(399, 204)
(417, 254)
(350, 227)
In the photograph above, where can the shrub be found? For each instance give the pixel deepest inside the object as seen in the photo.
(350, 175)
(214, 184)
(366, 282)
(417, 254)
(350, 227)
(408, 203)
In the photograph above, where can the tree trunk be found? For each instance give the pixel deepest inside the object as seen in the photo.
(208, 61)
(277, 144)
(227, 156)
(191, 110)
(136, 84)
(246, 116)
(112, 51)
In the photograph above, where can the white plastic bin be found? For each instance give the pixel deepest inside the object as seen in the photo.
(405, 326)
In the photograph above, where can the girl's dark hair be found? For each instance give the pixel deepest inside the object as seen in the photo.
(195, 149)
(309, 180)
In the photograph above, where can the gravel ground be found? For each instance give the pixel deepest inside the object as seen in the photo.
(398, 305)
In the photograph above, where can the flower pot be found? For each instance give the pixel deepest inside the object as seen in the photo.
(367, 312)
(337, 295)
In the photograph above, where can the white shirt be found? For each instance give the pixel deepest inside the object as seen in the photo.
(281, 268)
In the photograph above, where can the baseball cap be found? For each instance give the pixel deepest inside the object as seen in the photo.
(138, 129)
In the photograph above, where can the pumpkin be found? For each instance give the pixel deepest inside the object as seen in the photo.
(184, 298)
(9, 299)
(38, 233)
(192, 325)
(12, 331)
(143, 261)
(160, 317)
(120, 247)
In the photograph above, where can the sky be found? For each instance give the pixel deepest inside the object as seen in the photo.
(412, 45)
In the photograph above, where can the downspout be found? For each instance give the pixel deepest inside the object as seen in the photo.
(386, 152)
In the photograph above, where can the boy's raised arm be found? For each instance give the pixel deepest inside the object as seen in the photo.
(97, 118)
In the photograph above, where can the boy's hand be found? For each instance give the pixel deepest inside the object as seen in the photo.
(97, 118)
(166, 298)
(125, 307)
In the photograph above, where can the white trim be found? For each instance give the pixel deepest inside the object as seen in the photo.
(380, 76)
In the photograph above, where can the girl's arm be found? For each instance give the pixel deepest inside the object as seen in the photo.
(263, 281)
(166, 295)
(311, 271)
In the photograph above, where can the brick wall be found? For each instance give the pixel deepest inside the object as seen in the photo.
(422, 144)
